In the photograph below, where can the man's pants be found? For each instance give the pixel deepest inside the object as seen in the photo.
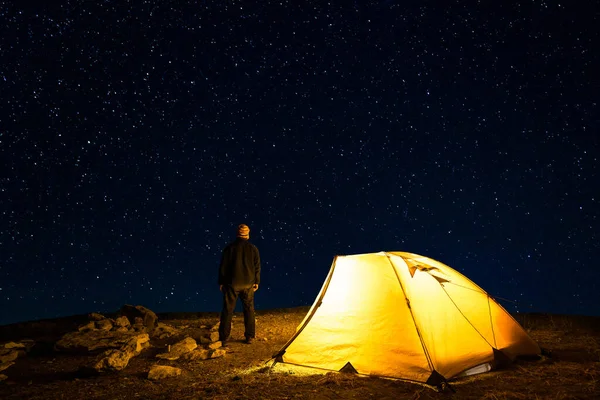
(230, 295)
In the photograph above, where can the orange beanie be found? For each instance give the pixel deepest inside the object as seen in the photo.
(243, 231)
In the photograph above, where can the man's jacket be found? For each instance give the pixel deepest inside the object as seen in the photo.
(240, 264)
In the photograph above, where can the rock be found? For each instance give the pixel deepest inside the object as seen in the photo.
(164, 331)
(122, 322)
(24, 345)
(206, 337)
(112, 360)
(10, 351)
(9, 355)
(13, 345)
(214, 345)
(179, 349)
(3, 377)
(28, 343)
(214, 328)
(104, 325)
(213, 336)
(204, 340)
(90, 326)
(116, 360)
(198, 354)
(162, 371)
(5, 365)
(96, 341)
(121, 329)
(138, 328)
(149, 318)
(217, 353)
(139, 343)
(96, 317)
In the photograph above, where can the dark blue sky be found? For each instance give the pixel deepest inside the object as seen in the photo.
(135, 137)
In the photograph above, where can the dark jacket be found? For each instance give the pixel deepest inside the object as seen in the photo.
(240, 264)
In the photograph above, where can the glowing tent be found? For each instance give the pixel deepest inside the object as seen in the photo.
(402, 315)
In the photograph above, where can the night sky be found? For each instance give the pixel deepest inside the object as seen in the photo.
(136, 136)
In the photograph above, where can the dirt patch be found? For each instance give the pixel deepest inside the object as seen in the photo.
(571, 372)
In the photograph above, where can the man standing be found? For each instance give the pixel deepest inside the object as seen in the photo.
(239, 275)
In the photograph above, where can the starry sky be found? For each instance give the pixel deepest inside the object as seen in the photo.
(136, 135)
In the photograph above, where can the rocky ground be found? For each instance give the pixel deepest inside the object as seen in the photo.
(177, 356)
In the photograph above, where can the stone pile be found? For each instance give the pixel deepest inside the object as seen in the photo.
(187, 350)
(112, 343)
(10, 351)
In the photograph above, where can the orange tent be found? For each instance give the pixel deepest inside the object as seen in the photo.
(402, 315)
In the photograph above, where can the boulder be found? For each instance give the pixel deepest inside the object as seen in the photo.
(217, 353)
(139, 343)
(162, 371)
(164, 331)
(96, 317)
(118, 359)
(10, 351)
(90, 326)
(138, 328)
(147, 316)
(5, 365)
(25, 345)
(13, 345)
(111, 360)
(10, 355)
(179, 349)
(122, 322)
(197, 354)
(215, 345)
(204, 353)
(96, 341)
(213, 336)
(205, 340)
(200, 337)
(104, 325)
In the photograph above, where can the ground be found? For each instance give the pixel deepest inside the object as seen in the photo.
(571, 372)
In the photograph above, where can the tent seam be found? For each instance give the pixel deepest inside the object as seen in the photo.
(427, 356)
(492, 322)
(465, 317)
(514, 320)
(314, 310)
